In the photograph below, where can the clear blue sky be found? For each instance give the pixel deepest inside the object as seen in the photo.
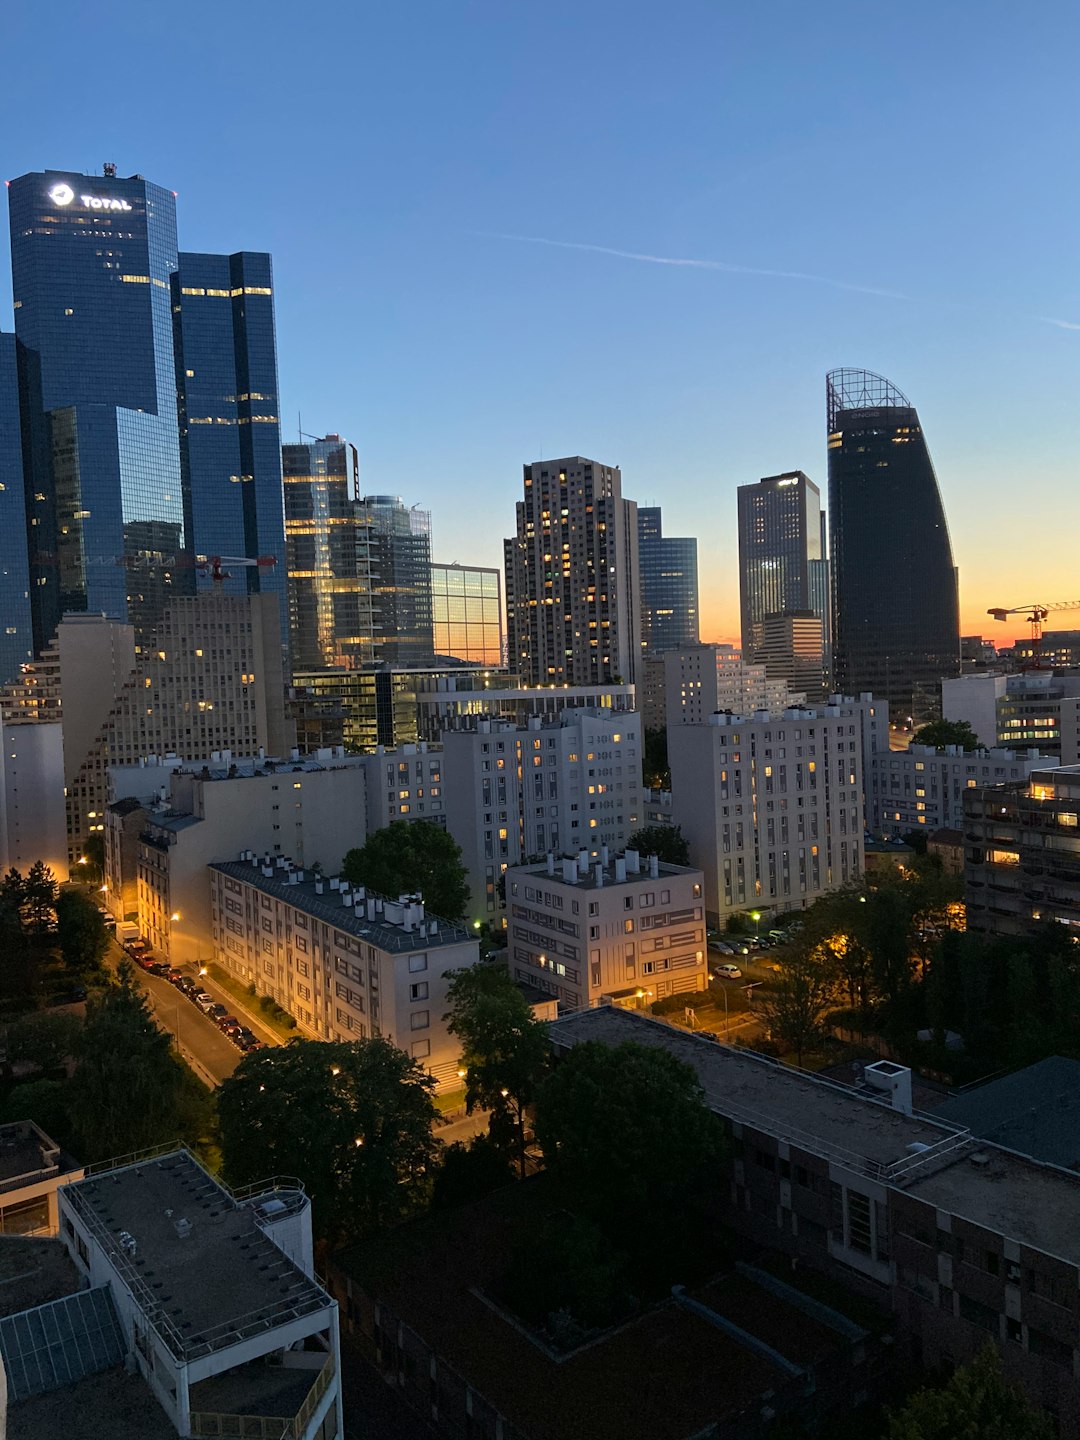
(379, 151)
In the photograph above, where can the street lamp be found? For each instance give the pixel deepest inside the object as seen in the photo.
(755, 915)
(175, 916)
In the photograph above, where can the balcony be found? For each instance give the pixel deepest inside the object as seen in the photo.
(239, 1397)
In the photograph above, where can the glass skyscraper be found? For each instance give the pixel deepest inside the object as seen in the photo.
(895, 606)
(782, 565)
(230, 431)
(92, 259)
(466, 608)
(401, 580)
(16, 633)
(328, 535)
(669, 586)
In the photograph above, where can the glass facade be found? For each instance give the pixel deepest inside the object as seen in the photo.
(895, 610)
(230, 431)
(669, 586)
(92, 260)
(466, 608)
(401, 580)
(782, 565)
(16, 633)
(328, 538)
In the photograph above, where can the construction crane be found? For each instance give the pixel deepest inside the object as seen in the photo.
(1035, 614)
(212, 565)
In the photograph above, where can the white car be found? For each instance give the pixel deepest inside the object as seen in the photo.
(728, 972)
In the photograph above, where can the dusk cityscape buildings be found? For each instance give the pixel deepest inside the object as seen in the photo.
(670, 609)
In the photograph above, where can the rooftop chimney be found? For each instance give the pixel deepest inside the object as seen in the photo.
(599, 876)
(620, 868)
(569, 871)
(633, 862)
(550, 863)
(654, 867)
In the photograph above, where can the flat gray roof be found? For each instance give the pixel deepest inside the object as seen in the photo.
(586, 879)
(1035, 1110)
(1018, 1197)
(223, 1280)
(352, 920)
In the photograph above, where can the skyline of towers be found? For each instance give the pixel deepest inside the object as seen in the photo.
(783, 564)
(670, 609)
(573, 585)
(894, 583)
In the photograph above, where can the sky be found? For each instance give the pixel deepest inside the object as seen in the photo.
(474, 205)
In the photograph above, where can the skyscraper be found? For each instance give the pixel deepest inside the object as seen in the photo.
(16, 638)
(91, 260)
(401, 580)
(573, 589)
(669, 586)
(328, 536)
(230, 431)
(895, 606)
(782, 565)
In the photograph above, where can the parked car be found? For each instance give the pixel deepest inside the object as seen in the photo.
(230, 1024)
(728, 972)
(156, 967)
(740, 947)
(173, 975)
(203, 1000)
(216, 1011)
(187, 986)
(721, 947)
(247, 1042)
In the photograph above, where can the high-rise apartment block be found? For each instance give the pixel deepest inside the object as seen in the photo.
(707, 678)
(92, 263)
(347, 963)
(1037, 709)
(669, 586)
(466, 613)
(626, 929)
(792, 650)
(230, 428)
(772, 804)
(896, 628)
(782, 556)
(214, 683)
(573, 589)
(514, 792)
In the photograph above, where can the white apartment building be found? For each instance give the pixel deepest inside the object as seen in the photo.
(622, 930)
(209, 1296)
(921, 786)
(514, 792)
(1035, 709)
(771, 805)
(33, 821)
(705, 678)
(404, 784)
(346, 962)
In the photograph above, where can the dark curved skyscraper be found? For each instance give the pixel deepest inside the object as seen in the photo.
(895, 608)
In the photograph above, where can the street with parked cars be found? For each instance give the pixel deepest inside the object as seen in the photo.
(233, 1029)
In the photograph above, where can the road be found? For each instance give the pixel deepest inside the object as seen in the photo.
(210, 1054)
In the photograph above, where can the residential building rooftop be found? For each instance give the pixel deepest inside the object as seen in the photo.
(194, 1255)
(941, 1163)
(1035, 1110)
(27, 1156)
(392, 925)
(592, 873)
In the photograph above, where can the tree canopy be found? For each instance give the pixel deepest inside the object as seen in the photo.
(798, 1002)
(666, 842)
(352, 1120)
(83, 937)
(656, 769)
(504, 1048)
(625, 1131)
(413, 857)
(977, 1403)
(940, 733)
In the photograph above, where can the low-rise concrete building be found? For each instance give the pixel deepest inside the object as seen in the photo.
(514, 792)
(923, 787)
(345, 962)
(33, 1169)
(621, 929)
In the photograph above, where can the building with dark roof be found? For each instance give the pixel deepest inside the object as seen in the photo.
(1035, 1111)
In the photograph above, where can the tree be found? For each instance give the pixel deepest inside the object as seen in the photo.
(94, 850)
(940, 733)
(127, 1093)
(655, 766)
(504, 1048)
(626, 1134)
(413, 857)
(798, 1003)
(83, 937)
(44, 1040)
(352, 1120)
(976, 1403)
(40, 892)
(468, 1172)
(666, 842)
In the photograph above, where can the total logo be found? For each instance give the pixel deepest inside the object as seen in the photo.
(63, 194)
